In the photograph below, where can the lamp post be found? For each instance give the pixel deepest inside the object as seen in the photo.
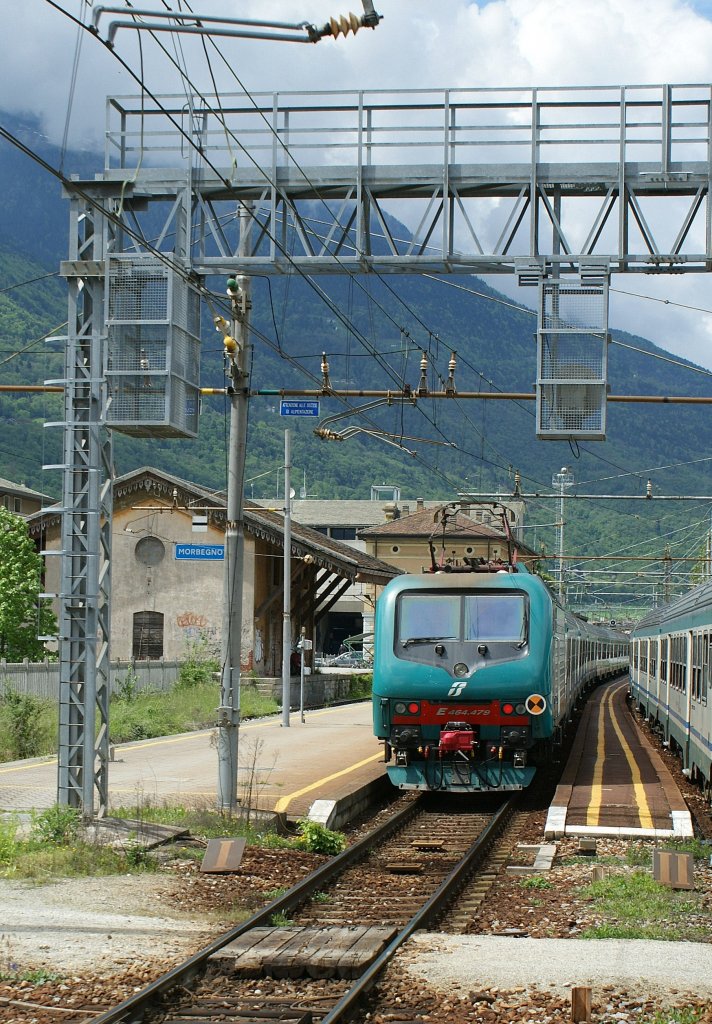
(561, 480)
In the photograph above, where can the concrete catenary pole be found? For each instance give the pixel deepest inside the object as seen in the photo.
(287, 612)
(239, 355)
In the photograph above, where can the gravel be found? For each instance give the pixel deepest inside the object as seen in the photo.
(98, 924)
(485, 961)
(105, 937)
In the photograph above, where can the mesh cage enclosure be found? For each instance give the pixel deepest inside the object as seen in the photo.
(153, 353)
(572, 361)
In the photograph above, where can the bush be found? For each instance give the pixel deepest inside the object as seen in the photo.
(8, 839)
(198, 669)
(58, 825)
(22, 714)
(317, 838)
(127, 687)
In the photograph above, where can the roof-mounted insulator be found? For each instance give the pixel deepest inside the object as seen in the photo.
(325, 382)
(649, 489)
(450, 385)
(423, 385)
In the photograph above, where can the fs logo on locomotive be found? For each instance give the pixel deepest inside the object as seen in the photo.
(457, 688)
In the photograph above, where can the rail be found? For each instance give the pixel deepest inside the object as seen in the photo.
(136, 1006)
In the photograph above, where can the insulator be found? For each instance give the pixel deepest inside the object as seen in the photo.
(450, 386)
(341, 26)
(325, 382)
(423, 385)
(221, 324)
(230, 345)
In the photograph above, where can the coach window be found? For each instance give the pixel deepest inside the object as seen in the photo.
(696, 667)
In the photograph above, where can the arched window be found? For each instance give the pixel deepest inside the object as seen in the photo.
(147, 635)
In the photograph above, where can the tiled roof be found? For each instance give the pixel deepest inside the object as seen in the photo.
(348, 560)
(21, 490)
(422, 524)
(347, 512)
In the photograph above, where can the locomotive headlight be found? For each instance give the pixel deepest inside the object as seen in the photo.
(399, 708)
(521, 709)
(460, 669)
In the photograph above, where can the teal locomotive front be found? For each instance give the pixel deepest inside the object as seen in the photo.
(462, 679)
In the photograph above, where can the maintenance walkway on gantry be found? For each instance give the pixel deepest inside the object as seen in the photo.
(333, 755)
(615, 783)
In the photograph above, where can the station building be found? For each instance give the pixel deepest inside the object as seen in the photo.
(168, 565)
(168, 579)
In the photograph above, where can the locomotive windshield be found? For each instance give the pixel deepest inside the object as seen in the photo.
(431, 617)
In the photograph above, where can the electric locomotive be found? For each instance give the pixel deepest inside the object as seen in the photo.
(475, 674)
(671, 678)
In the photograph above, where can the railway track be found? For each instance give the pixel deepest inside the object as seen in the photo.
(316, 952)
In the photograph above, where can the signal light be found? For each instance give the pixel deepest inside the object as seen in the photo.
(401, 708)
(508, 709)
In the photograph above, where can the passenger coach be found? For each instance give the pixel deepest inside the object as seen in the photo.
(671, 678)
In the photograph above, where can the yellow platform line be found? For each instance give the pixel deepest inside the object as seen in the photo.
(284, 802)
(641, 800)
(593, 811)
(165, 741)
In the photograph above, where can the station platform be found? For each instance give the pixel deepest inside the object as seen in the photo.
(332, 755)
(615, 783)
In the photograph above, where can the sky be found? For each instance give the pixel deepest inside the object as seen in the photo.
(448, 43)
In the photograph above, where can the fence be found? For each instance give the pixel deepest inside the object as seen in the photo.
(42, 679)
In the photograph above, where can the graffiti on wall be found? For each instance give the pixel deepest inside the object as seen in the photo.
(196, 629)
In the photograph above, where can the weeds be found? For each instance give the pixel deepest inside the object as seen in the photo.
(8, 839)
(22, 723)
(39, 976)
(280, 920)
(274, 894)
(637, 907)
(57, 825)
(127, 688)
(199, 668)
(317, 838)
(535, 882)
(182, 709)
(321, 897)
(678, 1015)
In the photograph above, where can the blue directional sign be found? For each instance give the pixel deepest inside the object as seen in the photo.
(300, 407)
(200, 552)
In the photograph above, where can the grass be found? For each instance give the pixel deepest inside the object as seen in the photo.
(635, 906)
(133, 716)
(535, 882)
(183, 709)
(678, 1015)
(55, 848)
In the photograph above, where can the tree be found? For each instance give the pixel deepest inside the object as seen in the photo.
(23, 613)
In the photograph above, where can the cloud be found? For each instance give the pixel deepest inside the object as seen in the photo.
(492, 43)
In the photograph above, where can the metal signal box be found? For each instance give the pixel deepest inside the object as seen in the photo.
(153, 354)
(572, 360)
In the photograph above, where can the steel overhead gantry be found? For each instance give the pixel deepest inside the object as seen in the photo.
(489, 180)
(543, 183)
